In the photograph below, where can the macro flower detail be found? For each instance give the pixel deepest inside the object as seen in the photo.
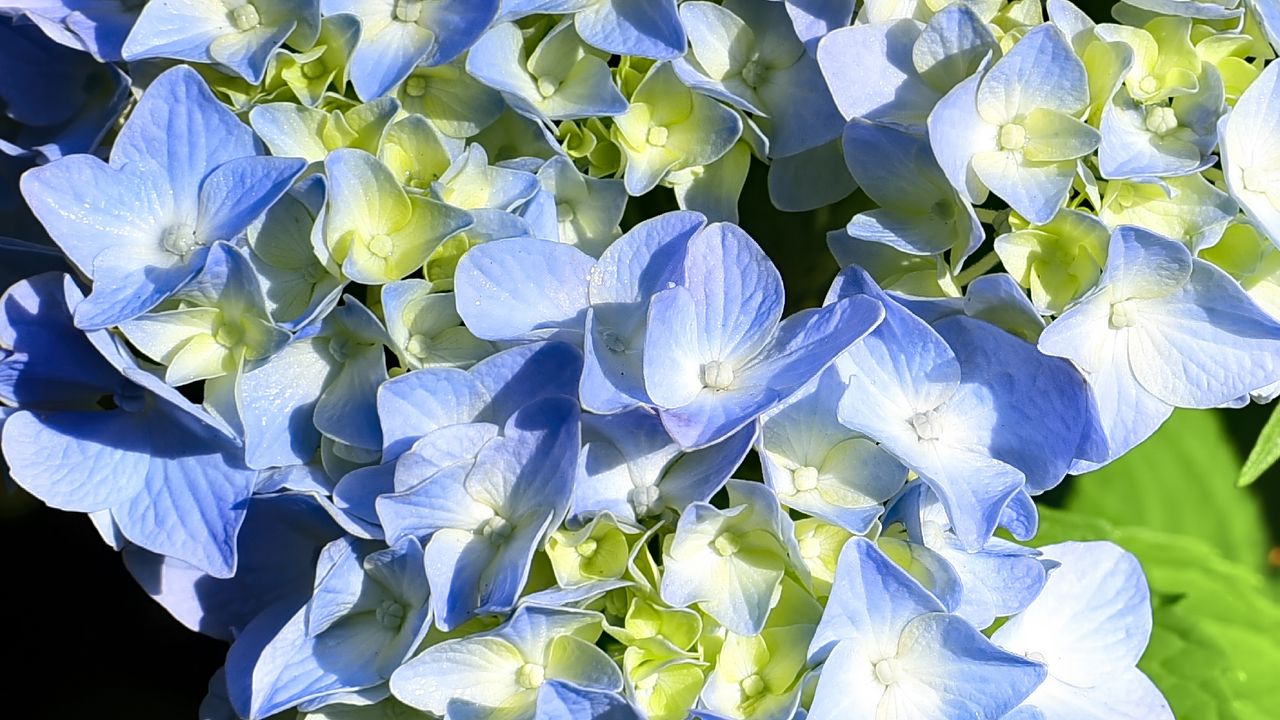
(643, 359)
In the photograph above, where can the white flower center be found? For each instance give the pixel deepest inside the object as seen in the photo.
(658, 136)
(752, 685)
(928, 425)
(644, 499)
(887, 671)
(805, 478)
(180, 239)
(496, 530)
(1123, 314)
(717, 375)
(1161, 120)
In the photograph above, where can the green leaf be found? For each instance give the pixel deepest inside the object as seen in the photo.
(1213, 651)
(1180, 481)
(1265, 452)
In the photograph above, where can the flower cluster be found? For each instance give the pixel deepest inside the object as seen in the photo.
(324, 313)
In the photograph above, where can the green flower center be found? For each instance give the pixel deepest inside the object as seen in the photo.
(408, 10)
(658, 136)
(1161, 120)
(726, 544)
(418, 345)
(381, 245)
(314, 69)
(752, 685)
(390, 614)
(245, 17)
(1013, 136)
(415, 86)
(530, 676)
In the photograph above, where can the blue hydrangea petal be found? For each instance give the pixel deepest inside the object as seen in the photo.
(522, 289)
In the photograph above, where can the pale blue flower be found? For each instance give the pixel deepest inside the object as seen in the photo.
(1163, 329)
(368, 614)
(165, 474)
(240, 35)
(486, 518)
(647, 28)
(1088, 627)
(397, 35)
(946, 402)
(1015, 129)
(748, 55)
(888, 651)
(632, 469)
(560, 78)
(184, 173)
(539, 664)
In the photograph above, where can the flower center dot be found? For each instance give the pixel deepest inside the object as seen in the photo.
(658, 136)
(530, 676)
(753, 73)
(726, 544)
(644, 499)
(717, 375)
(496, 530)
(415, 86)
(390, 614)
(1148, 84)
(805, 478)
(1012, 136)
(381, 245)
(314, 69)
(408, 10)
(1161, 120)
(1123, 315)
(418, 345)
(614, 341)
(928, 425)
(229, 335)
(886, 672)
(587, 548)
(245, 17)
(547, 87)
(180, 240)
(752, 685)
